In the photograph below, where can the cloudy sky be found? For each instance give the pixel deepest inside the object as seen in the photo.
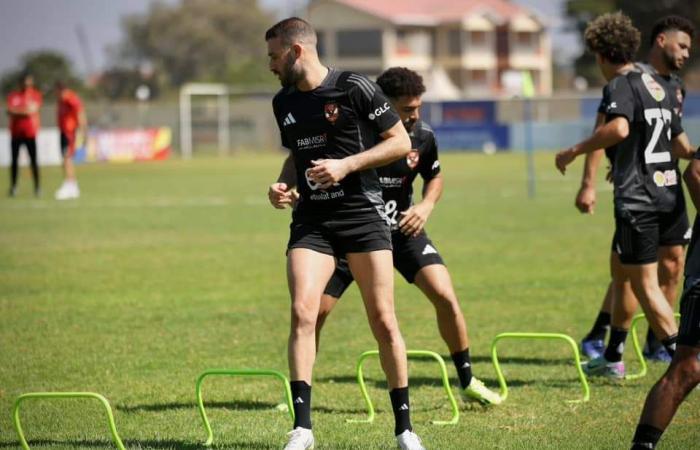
(27, 25)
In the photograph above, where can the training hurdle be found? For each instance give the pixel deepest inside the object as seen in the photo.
(46, 395)
(239, 373)
(549, 336)
(638, 349)
(409, 354)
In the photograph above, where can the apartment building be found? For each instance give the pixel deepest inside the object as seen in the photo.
(463, 48)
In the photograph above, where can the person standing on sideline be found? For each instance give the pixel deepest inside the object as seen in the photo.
(23, 108)
(71, 123)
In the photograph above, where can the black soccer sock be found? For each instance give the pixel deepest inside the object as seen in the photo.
(652, 343)
(646, 437)
(301, 395)
(463, 364)
(402, 411)
(616, 344)
(600, 327)
(670, 344)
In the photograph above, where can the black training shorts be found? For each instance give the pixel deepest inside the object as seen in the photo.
(639, 234)
(410, 255)
(340, 237)
(689, 330)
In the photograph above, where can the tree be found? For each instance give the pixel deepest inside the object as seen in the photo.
(47, 67)
(200, 40)
(643, 15)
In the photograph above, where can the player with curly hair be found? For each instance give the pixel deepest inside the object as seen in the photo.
(414, 254)
(642, 130)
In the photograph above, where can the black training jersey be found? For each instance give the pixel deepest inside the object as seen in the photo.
(645, 175)
(675, 83)
(343, 116)
(397, 178)
(692, 257)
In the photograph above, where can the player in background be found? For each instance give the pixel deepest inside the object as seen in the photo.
(414, 254)
(71, 123)
(643, 130)
(683, 375)
(670, 43)
(23, 108)
(338, 126)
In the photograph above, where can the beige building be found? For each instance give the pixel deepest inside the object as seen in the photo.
(463, 48)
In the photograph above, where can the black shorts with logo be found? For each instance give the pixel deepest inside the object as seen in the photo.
(335, 237)
(689, 330)
(639, 234)
(410, 255)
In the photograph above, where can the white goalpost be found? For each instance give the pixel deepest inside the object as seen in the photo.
(186, 93)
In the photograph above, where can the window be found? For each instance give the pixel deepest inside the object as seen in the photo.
(413, 42)
(454, 42)
(477, 38)
(478, 77)
(360, 43)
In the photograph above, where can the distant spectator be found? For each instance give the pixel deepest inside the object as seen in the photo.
(23, 108)
(72, 123)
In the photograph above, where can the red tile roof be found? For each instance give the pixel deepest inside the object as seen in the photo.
(435, 11)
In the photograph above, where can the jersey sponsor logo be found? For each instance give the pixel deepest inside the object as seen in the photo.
(429, 250)
(655, 90)
(312, 142)
(391, 182)
(331, 111)
(412, 159)
(379, 111)
(611, 106)
(665, 178)
(289, 120)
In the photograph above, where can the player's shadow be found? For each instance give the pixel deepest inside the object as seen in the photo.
(523, 360)
(232, 404)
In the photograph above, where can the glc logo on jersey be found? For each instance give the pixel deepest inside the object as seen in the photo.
(331, 111)
(412, 158)
(379, 111)
(654, 88)
(666, 178)
(289, 120)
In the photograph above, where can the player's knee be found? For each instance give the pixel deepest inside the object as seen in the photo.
(384, 326)
(685, 374)
(303, 317)
(671, 268)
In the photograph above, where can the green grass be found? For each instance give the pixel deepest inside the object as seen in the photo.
(163, 270)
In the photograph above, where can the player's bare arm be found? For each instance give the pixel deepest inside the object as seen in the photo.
(681, 147)
(691, 176)
(395, 144)
(280, 193)
(606, 136)
(415, 217)
(586, 196)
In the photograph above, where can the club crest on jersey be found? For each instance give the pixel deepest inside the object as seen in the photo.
(654, 88)
(412, 159)
(331, 111)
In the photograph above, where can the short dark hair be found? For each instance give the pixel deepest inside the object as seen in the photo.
(292, 30)
(399, 82)
(613, 37)
(670, 23)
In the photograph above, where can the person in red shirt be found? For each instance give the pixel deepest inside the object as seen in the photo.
(23, 108)
(71, 123)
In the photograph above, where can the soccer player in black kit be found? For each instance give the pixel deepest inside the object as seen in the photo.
(415, 256)
(670, 42)
(683, 375)
(338, 126)
(643, 129)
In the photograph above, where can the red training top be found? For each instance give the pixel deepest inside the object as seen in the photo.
(69, 107)
(25, 126)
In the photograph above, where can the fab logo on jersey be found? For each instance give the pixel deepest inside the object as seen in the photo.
(331, 111)
(412, 159)
(656, 91)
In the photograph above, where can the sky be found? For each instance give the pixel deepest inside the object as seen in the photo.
(28, 25)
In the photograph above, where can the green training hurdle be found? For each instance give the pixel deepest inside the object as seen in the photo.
(239, 373)
(552, 336)
(44, 395)
(409, 353)
(638, 349)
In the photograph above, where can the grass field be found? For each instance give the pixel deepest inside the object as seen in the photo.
(163, 270)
